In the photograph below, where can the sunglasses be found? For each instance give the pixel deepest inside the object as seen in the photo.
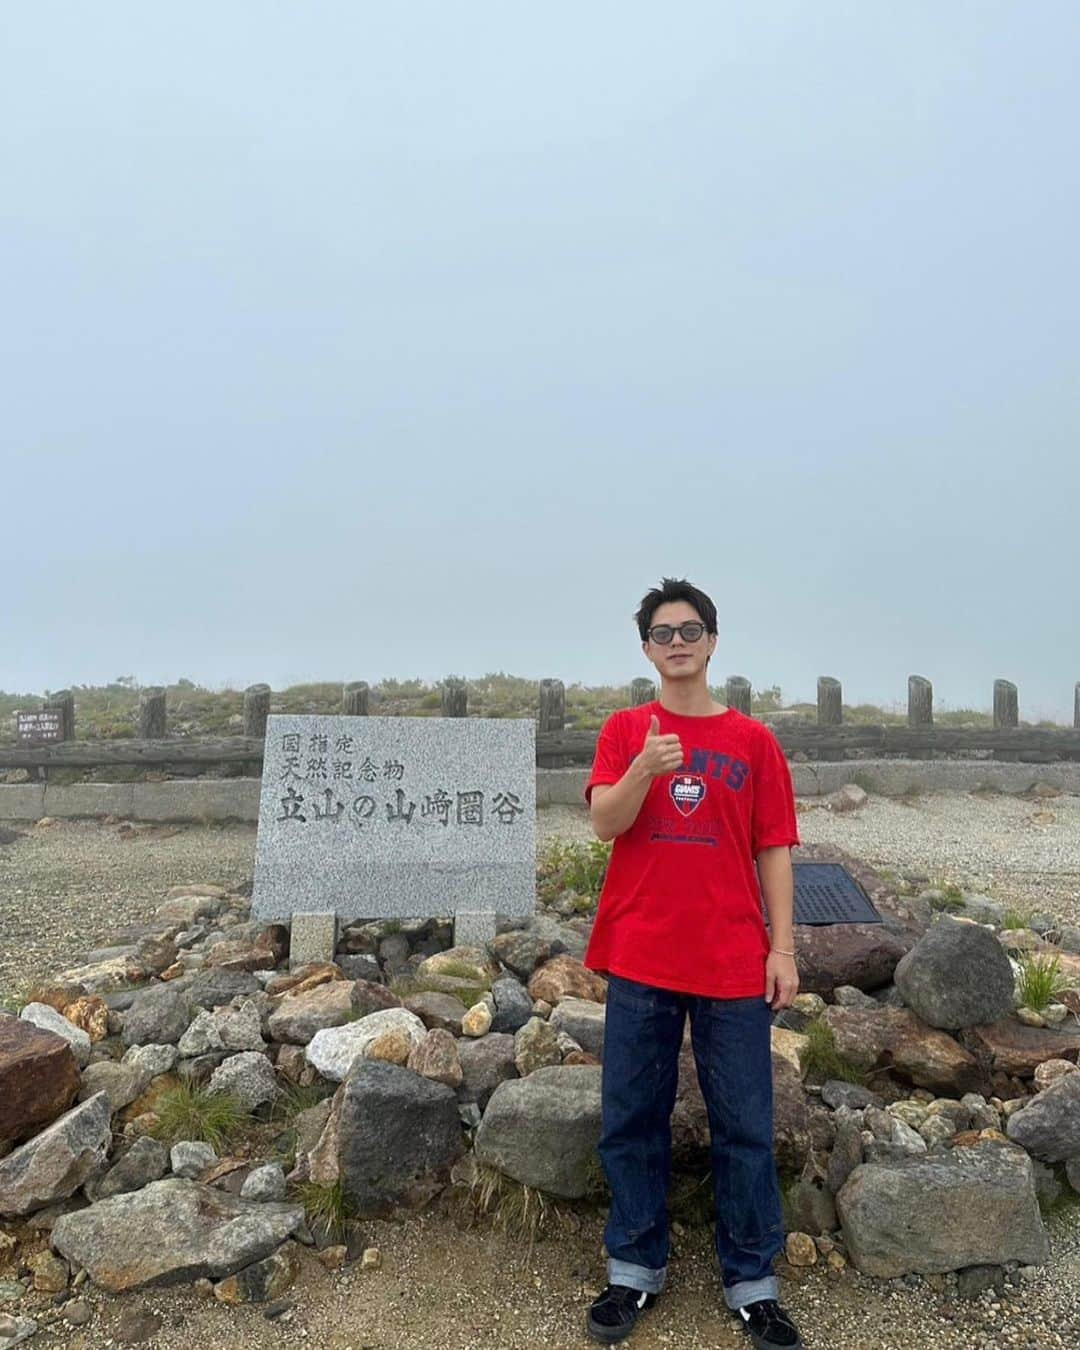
(664, 632)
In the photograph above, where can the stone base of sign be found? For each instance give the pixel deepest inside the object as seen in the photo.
(473, 928)
(313, 938)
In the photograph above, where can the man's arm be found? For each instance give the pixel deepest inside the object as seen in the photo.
(778, 889)
(613, 807)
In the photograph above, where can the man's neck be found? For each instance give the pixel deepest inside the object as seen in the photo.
(689, 700)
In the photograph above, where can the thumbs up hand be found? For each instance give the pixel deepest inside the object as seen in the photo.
(659, 754)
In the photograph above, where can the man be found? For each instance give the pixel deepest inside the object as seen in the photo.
(693, 795)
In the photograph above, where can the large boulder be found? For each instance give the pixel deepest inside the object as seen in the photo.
(520, 951)
(396, 1136)
(171, 1232)
(215, 988)
(248, 1077)
(861, 954)
(943, 1211)
(1049, 1126)
(543, 1130)
(438, 1011)
(333, 1051)
(957, 975)
(513, 1006)
(894, 1037)
(56, 1162)
(38, 1078)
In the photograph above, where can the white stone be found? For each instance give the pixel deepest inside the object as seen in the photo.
(334, 1050)
(152, 1059)
(48, 1019)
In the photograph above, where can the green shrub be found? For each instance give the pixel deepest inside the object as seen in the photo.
(564, 865)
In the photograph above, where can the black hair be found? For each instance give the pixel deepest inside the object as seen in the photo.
(673, 589)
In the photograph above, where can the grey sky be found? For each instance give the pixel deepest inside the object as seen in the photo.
(344, 340)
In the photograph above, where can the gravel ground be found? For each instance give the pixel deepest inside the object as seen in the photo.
(64, 887)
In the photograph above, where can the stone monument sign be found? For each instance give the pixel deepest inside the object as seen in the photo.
(384, 817)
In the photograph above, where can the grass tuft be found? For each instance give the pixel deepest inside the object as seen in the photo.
(824, 1059)
(1017, 916)
(187, 1112)
(1040, 980)
(327, 1208)
(564, 865)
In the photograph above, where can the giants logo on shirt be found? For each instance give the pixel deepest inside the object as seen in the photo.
(687, 792)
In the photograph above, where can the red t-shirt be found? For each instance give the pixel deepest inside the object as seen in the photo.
(680, 906)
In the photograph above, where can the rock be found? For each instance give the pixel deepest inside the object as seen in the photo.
(832, 954)
(436, 1057)
(159, 1015)
(847, 1150)
(299, 1016)
(976, 1280)
(121, 1083)
(201, 1037)
(56, 1162)
(50, 1274)
(45, 1018)
(103, 977)
(968, 1206)
(1049, 1126)
(1072, 1173)
(848, 996)
(484, 1065)
(536, 1046)
(170, 1232)
(264, 1183)
(800, 1249)
(392, 1046)
(264, 1281)
(397, 1135)
(1054, 1014)
(136, 1326)
(513, 1006)
(16, 1330)
(371, 1259)
(1050, 1070)
(360, 968)
(249, 1077)
(583, 1020)
(152, 1060)
(471, 964)
(477, 1021)
(240, 955)
(795, 1048)
(304, 978)
(145, 1161)
(77, 1313)
(333, 1258)
(56, 993)
(436, 1010)
(334, 1050)
(896, 1038)
(564, 977)
(520, 951)
(1008, 1047)
(848, 798)
(191, 1157)
(38, 1077)
(957, 975)
(837, 1093)
(791, 1116)
(543, 1130)
(1030, 1017)
(369, 997)
(216, 988)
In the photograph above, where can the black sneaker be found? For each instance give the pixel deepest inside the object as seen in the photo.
(769, 1327)
(613, 1314)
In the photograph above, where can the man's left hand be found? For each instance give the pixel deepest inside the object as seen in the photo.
(781, 980)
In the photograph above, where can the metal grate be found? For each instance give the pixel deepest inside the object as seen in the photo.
(828, 893)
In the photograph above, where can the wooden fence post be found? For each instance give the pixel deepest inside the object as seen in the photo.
(552, 706)
(830, 704)
(1006, 711)
(737, 693)
(920, 702)
(63, 702)
(354, 699)
(256, 710)
(152, 713)
(455, 698)
(642, 690)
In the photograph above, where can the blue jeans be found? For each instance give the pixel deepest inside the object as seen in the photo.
(731, 1043)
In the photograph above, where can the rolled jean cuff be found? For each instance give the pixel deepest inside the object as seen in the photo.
(749, 1291)
(641, 1278)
